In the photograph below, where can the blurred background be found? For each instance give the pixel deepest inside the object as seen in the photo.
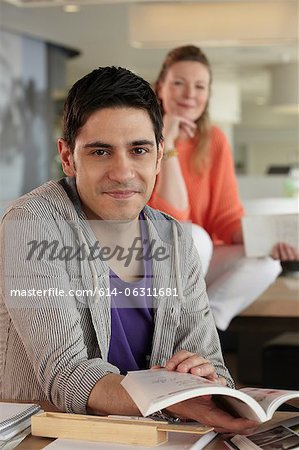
(46, 45)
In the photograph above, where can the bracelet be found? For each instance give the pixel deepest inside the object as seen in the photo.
(163, 415)
(170, 153)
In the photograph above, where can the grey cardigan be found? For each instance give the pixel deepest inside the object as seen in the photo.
(54, 347)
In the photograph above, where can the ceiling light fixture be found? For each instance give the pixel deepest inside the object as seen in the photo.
(71, 8)
(230, 23)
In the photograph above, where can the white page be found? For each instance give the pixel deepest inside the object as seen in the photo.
(179, 441)
(262, 232)
(152, 390)
(270, 399)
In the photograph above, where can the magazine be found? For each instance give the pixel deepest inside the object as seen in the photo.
(283, 435)
(153, 390)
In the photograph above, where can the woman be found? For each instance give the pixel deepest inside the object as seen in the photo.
(197, 183)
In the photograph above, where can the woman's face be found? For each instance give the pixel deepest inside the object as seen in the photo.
(185, 89)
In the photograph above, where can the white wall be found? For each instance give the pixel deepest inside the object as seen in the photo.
(265, 138)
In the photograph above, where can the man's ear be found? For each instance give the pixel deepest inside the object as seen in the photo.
(159, 157)
(66, 157)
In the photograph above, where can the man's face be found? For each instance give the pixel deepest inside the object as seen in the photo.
(115, 163)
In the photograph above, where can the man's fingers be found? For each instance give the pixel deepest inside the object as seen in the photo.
(225, 423)
(241, 430)
(183, 361)
(222, 380)
(204, 370)
(206, 411)
(240, 426)
(177, 358)
(187, 362)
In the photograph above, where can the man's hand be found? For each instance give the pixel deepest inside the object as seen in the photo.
(187, 362)
(285, 252)
(204, 410)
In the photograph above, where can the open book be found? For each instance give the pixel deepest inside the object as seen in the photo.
(262, 232)
(153, 390)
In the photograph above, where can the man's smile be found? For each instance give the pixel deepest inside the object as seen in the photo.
(121, 195)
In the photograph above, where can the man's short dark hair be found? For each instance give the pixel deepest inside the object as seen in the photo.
(108, 87)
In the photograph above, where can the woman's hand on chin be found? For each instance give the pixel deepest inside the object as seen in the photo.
(174, 126)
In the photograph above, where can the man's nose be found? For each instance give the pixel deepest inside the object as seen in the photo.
(121, 169)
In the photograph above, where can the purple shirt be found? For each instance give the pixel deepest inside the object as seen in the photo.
(132, 322)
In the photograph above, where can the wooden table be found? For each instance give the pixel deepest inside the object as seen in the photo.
(280, 300)
(37, 443)
(276, 311)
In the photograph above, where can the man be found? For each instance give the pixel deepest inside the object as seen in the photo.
(95, 283)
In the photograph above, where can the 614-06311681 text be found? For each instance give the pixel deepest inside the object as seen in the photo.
(140, 292)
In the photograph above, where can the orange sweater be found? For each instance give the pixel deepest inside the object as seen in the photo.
(214, 202)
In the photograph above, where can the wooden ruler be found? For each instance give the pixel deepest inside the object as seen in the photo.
(133, 431)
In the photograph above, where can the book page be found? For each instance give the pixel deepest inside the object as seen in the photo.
(262, 232)
(270, 399)
(152, 389)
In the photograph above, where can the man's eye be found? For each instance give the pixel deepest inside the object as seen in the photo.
(139, 151)
(200, 87)
(100, 152)
(177, 82)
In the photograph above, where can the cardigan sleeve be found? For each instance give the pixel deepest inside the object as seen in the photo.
(45, 315)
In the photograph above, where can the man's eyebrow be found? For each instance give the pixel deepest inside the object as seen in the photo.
(138, 142)
(142, 142)
(97, 144)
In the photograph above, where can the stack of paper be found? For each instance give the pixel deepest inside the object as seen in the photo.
(15, 419)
